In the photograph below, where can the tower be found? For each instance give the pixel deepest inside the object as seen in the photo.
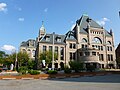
(42, 31)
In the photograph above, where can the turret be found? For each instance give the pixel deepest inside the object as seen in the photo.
(42, 31)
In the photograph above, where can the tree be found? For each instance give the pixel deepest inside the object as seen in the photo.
(22, 59)
(3, 55)
(47, 56)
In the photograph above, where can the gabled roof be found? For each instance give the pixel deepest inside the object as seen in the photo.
(70, 35)
(26, 43)
(83, 24)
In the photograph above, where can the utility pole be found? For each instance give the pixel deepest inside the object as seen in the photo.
(53, 52)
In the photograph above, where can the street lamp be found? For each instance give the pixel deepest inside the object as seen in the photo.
(53, 52)
(15, 59)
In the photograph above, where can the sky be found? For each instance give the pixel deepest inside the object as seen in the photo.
(20, 20)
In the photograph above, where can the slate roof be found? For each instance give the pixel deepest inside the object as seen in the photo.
(70, 35)
(26, 43)
(50, 41)
(83, 25)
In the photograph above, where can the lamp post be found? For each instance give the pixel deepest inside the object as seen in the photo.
(15, 59)
(53, 53)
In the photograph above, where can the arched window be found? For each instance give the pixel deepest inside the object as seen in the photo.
(23, 50)
(33, 53)
(97, 40)
(108, 42)
(84, 40)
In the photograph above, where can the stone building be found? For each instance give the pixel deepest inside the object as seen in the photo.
(118, 55)
(88, 42)
(29, 47)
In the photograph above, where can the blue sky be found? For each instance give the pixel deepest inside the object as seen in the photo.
(20, 20)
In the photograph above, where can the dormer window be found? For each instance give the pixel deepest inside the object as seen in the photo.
(47, 38)
(58, 39)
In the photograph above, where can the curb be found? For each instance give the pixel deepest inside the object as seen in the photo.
(8, 78)
(27, 78)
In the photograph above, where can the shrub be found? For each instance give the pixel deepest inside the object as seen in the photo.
(52, 72)
(33, 72)
(90, 68)
(0, 70)
(23, 70)
(77, 66)
(67, 69)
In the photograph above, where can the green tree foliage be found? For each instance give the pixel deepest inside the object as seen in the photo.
(3, 55)
(77, 66)
(22, 59)
(47, 56)
(30, 64)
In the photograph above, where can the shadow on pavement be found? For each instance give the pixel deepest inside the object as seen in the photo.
(109, 78)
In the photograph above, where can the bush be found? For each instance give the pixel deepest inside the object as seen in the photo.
(75, 65)
(23, 70)
(67, 69)
(33, 72)
(0, 70)
(90, 68)
(52, 72)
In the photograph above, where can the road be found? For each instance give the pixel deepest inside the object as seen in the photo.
(107, 82)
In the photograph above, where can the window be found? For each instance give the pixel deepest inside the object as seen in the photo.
(81, 54)
(94, 53)
(50, 48)
(110, 48)
(72, 56)
(33, 53)
(56, 51)
(44, 48)
(101, 57)
(62, 53)
(101, 47)
(84, 40)
(70, 45)
(97, 40)
(84, 46)
(108, 42)
(87, 53)
(23, 50)
(58, 39)
(110, 57)
(74, 45)
(48, 38)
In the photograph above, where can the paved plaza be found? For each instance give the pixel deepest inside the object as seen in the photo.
(107, 82)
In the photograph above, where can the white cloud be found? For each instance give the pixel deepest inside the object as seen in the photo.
(21, 19)
(46, 9)
(3, 7)
(103, 21)
(8, 48)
